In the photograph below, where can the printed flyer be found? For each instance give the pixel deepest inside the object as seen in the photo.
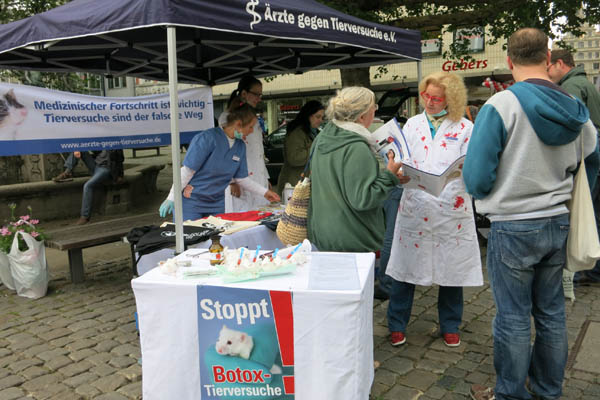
(390, 140)
(432, 183)
(246, 343)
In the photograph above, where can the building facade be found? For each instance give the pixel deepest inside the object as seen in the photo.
(587, 52)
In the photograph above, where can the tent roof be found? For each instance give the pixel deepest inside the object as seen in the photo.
(217, 41)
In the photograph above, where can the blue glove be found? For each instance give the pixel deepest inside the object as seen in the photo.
(166, 208)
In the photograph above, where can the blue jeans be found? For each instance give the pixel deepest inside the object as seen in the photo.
(594, 273)
(450, 307)
(525, 262)
(390, 209)
(99, 175)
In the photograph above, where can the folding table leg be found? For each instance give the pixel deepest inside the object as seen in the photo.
(76, 265)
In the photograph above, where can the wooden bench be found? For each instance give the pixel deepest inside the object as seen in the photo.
(75, 239)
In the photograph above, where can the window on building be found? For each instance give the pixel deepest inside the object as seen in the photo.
(579, 55)
(590, 54)
(580, 44)
(472, 38)
(590, 43)
(596, 65)
(431, 47)
(595, 80)
(117, 83)
(92, 81)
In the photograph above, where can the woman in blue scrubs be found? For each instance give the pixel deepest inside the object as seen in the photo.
(215, 157)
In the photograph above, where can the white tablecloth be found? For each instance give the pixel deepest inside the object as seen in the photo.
(333, 334)
(251, 237)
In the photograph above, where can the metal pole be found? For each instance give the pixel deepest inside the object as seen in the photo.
(175, 147)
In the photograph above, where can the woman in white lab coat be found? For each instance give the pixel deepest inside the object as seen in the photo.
(435, 240)
(236, 199)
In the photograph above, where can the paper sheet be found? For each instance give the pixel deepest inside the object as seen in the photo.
(432, 183)
(333, 272)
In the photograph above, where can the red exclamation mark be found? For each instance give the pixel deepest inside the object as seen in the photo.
(284, 324)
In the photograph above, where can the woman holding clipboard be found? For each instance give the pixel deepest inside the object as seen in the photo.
(435, 240)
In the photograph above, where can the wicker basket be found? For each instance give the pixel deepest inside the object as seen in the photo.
(291, 229)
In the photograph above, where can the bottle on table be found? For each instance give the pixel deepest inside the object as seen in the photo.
(216, 250)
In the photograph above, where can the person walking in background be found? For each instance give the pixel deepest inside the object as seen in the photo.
(237, 199)
(216, 157)
(298, 139)
(524, 151)
(347, 186)
(573, 80)
(105, 165)
(435, 241)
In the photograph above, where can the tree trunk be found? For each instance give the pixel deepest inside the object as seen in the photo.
(355, 77)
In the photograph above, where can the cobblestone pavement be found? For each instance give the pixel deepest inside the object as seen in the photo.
(80, 342)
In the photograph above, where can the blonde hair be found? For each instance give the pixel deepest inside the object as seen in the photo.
(454, 87)
(350, 103)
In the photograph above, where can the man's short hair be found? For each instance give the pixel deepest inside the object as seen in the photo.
(564, 55)
(528, 46)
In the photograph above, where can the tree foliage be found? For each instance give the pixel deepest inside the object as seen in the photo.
(13, 10)
(500, 17)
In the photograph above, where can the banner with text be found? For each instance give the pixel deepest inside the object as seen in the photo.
(246, 342)
(35, 120)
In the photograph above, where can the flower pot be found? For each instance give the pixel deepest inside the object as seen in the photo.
(5, 273)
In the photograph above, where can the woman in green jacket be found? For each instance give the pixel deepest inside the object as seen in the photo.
(347, 186)
(298, 139)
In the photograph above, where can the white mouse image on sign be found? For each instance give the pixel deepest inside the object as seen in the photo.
(234, 343)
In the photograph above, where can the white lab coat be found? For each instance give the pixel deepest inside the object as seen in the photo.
(257, 171)
(435, 241)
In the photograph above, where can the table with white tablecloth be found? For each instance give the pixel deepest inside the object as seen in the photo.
(257, 235)
(332, 331)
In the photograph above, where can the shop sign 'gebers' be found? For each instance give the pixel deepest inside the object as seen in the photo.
(463, 65)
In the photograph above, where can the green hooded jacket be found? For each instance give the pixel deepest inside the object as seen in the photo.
(576, 83)
(347, 193)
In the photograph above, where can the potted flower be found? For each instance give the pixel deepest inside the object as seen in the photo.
(25, 264)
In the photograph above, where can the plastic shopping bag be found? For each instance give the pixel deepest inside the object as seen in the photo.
(568, 287)
(5, 274)
(29, 270)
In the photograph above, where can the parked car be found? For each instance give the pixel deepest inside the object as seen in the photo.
(389, 106)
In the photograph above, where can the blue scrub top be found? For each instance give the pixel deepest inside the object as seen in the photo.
(215, 165)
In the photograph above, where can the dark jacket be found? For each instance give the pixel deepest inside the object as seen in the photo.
(296, 150)
(576, 83)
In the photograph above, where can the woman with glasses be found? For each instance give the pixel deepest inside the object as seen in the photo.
(249, 90)
(435, 241)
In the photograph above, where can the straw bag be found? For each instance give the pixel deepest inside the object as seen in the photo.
(291, 229)
(583, 246)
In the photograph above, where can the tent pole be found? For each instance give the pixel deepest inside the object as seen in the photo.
(175, 147)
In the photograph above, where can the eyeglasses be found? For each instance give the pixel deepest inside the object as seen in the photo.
(434, 99)
(259, 95)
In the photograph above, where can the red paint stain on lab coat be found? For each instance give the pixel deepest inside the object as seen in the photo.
(459, 201)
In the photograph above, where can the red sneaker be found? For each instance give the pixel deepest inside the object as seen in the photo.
(398, 338)
(451, 339)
